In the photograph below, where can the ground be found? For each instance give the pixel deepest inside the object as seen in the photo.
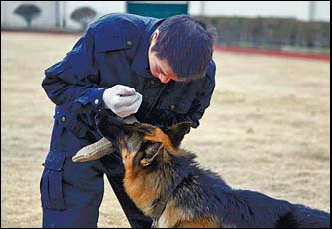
(267, 128)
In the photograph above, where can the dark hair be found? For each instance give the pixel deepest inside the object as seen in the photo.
(186, 44)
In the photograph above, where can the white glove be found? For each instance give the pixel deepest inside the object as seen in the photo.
(122, 100)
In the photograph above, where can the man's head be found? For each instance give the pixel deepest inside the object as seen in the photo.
(181, 49)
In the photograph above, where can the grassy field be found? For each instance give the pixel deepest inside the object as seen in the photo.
(267, 128)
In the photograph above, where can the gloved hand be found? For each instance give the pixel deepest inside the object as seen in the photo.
(122, 100)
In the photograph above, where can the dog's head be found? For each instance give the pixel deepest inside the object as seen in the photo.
(141, 143)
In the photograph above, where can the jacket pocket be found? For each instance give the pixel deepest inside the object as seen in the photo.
(181, 107)
(175, 106)
(68, 118)
(51, 185)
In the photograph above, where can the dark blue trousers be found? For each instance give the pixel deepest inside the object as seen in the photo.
(71, 193)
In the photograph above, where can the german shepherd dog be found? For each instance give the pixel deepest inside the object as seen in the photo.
(166, 183)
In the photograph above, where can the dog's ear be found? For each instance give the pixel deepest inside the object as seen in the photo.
(159, 154)
(143, 128)
(177, 131)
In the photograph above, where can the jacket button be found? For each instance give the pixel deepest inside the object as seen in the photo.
(129, 43)
(96, 101)
(172, 107)
(63, 119)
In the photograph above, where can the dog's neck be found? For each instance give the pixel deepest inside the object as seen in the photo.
(160, 204)
(142, 187)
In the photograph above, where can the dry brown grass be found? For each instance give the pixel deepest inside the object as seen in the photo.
(267, 129)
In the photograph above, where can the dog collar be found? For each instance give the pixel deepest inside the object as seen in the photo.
(154, 222)
(161, 205)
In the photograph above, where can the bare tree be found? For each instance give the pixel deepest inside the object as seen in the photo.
(83, 16)
(28, 12)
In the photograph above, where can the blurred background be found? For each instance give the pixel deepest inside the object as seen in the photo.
(300, 26)
(267, 128)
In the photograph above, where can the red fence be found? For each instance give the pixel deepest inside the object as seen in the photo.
(272, 53)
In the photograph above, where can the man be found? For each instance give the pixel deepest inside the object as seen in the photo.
(159, 70)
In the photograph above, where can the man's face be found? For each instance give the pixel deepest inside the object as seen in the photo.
(160, 68)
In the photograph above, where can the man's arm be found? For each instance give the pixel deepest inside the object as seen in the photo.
(201, 102)
(75, 78)
(198, 107)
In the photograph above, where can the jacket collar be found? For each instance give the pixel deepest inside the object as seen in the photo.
(140, 63)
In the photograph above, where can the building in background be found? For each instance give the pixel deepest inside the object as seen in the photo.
(56, 14)
(281, 25)
(158, 9)
(300, 10)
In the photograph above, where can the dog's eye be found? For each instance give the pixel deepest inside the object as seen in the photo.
(150, 148)
(144, 145)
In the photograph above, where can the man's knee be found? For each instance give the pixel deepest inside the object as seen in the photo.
(71, 194)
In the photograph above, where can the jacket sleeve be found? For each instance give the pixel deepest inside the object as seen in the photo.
(75, 78)
(201, 102)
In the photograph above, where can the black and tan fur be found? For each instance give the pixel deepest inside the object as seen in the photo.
(156, 167)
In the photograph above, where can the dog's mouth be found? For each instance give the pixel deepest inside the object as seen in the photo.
(132, 138)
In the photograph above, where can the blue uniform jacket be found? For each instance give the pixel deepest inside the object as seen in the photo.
(114, 50)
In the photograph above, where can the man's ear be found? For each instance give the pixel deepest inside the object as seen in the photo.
(177, 131)
(155, 35)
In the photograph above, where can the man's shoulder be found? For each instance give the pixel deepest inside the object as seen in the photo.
(120, 23)
(116, 31)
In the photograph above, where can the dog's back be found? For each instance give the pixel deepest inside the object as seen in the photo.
(310, 218)
(259, 210)
(204, 193)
